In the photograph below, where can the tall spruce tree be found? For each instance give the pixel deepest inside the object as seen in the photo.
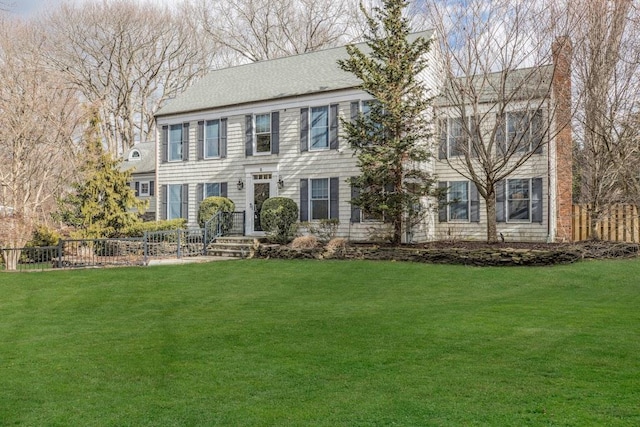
(102, 203)
(391, 141)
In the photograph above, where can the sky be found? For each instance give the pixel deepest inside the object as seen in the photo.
(27, 8)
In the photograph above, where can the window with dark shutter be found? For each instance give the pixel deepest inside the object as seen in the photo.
(304, 129)
(304, 200)
(248, 134)
(275, 132)
(334, 143)
(355, 210)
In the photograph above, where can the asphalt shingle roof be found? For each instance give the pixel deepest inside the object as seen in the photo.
(290, 76)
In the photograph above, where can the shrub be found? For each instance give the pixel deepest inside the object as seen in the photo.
(138, 230)
(278, 218)
(42, 236)
(324, 229)
(337, 243)
(211, 206)
(304, 242)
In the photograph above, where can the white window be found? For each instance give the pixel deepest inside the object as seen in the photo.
(319, 200)
(458, 198)
(174, 201)
(319, 128)
(454, 137)
(263, 133)
(524, 130)
(134, 155)
(145, 188)
(212, 139)
(175, 142)
(211, 189)
(519, 199)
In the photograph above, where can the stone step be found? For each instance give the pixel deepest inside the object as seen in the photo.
(232, 253)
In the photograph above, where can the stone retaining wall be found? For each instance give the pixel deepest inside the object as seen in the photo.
(477, 257)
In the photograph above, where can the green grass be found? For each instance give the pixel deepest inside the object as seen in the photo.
(300, 343)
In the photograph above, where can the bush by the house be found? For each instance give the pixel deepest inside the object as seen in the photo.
(138, 230)
(278, 218)
(211, 206)
(305, 242)
(324, 229)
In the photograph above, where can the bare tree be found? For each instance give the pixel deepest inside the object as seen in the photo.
(264, 29)
(607, 75)
(500, 76)
(126, 58)
(38, 118)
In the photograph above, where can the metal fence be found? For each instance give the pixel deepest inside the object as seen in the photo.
(80, 253)
(225, 224)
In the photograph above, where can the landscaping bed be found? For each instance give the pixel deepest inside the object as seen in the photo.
(463, 252)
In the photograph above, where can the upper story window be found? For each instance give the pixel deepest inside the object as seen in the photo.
(521, 132)
(175, 142)
(263, 133)
(454, 136)
(212, 139)
(319, 128)
(134, 155)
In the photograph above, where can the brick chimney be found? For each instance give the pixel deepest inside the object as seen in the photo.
(561, 89)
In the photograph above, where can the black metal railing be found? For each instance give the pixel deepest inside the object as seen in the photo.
(225, 224)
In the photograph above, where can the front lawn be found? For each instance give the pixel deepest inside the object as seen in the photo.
(308, 343)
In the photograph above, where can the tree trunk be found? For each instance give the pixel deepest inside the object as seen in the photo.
(11, 258)
(593, 211)
(492, 229)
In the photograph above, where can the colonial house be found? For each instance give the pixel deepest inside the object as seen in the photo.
(272, 128)
(141, 161)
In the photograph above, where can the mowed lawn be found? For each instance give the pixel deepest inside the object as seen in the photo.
(310, 343)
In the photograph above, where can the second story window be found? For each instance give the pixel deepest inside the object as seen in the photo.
(263, 133)
(319, 128)
(521, 132)
(212, 139)
(175, 142)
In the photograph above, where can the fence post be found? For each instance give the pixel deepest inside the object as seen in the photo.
(60, 251)
(178, 252)
(204, 240)
(145, 247)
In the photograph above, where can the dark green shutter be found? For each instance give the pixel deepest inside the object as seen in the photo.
(442, 145)
(152, 188)
(199, 194)
(537, 132)
(355, 110)
(334, 198)
(304, 200)
(185, 141)
(501, 143)
(442, 209)
(163, 202)
(164, 142)
(248, 135)
(500, 201)
(333, 127)
(200, 147)
(536, 200)
(223, 189)
(185, 201)
(137, 188)
(475, 202)
(355, 193)
(304, 129)
(275, 132)
(223, 138)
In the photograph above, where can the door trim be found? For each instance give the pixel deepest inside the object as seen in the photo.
(252, 176)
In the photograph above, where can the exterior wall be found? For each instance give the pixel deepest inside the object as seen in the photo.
(538, 166)
(290, 165)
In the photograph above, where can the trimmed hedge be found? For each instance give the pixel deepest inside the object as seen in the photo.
(138, 230)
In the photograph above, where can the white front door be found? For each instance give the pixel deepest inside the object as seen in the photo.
(261, 186)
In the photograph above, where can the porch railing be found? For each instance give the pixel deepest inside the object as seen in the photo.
(225, 224)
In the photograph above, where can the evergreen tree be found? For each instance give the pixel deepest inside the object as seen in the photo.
(391, 140)
(102, 203)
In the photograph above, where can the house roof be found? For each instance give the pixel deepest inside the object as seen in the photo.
(509, 85)
(304, 74)
(146, 162)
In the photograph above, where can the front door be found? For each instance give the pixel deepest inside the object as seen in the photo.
(260, 194)
(262, 184)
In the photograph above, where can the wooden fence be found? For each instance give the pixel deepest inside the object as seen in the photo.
(619, 223)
